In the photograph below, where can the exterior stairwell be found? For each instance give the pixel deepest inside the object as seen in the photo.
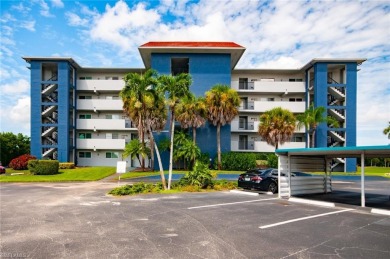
(336, 92)
(49, 110)
(48, 152)
(337, 114)
(337, 136)
(48, 131)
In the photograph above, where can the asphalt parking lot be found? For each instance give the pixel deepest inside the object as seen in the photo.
(77, 220)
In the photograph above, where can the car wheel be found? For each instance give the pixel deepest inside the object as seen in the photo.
(272, 187)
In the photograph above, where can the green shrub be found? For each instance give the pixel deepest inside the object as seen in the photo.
(272, 160)
(222, 185)
(44, 167)
(67, 165)
(31, 165)
(200, 176)
(137, 188)
(241, 161)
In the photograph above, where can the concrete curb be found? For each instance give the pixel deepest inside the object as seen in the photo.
(381, 212)
(245, 193)
(318, 203)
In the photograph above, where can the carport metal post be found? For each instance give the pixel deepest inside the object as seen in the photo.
(363, 201)
(279, 165)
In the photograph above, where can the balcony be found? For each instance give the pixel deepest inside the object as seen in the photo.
(244, 126)
(97, 105)
(262, 106)
(269, 87)
(104, 124)
(101, 144)
(100, 85)
(262, 146)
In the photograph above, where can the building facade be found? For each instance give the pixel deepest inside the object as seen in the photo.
(77, 115)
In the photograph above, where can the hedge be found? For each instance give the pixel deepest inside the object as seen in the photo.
(43, 167)
(66, 166)
(242, 161)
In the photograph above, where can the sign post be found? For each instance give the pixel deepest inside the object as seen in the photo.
(120, 168)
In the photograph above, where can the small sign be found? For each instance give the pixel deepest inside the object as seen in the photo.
(121, 167)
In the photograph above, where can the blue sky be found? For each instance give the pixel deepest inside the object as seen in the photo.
(277, 34)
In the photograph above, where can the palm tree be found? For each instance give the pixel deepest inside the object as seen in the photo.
(277, 126)
(145, 106)
(192, 113)
(177, 87)
(133, 97)
(312, 117)
(222, 106)
(136, 149)
(386, 131)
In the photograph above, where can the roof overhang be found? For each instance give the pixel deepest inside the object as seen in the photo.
(368, 151)
(359, 61)
(235, 50)
(69, 59)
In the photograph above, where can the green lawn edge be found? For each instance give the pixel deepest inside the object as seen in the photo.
(79, 174)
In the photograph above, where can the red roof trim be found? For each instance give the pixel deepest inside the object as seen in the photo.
(192, 44)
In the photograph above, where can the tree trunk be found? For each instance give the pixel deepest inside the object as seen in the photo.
(313, 137)
(141, 132)
(194, 135)
(151, 139)
(171, 149)
(160, 166)
(219, 145)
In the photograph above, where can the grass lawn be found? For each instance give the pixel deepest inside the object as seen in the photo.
(368, 171)
(130, 175)
(64, 175)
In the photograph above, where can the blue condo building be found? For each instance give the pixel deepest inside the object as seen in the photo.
(77, 114)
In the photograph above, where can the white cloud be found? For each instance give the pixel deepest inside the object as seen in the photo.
(75, 20)
(16, 87)
(57, 3)
(20, 112)
(21, 8)
(28, 25)
(119, 25)
(45, 9)
(16, 117)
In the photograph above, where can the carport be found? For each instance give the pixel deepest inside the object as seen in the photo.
(319, 160)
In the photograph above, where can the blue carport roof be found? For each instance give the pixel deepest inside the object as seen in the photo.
(368, 151)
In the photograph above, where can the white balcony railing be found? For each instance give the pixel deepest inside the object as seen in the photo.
(97, 105)
(271, 87)
(104, 124)
(100, 85)
(262, 146)
(262, 106)
(101, 144)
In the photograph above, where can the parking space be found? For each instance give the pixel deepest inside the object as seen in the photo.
(79, 220)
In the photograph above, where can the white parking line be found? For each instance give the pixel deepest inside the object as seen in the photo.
(230, 203)
(299, 219)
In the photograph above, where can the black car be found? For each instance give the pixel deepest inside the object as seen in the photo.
(261, 179)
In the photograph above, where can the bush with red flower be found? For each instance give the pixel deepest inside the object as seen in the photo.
(20, 163)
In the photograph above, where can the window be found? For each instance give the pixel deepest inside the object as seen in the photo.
(112, 154)
(115, 78)
(85, 116)
(85, 97)
(85, 135)
(115, 136)
(112, 116)
(295, 80)
(270, 99)
(295, 99)
(179, 65)
(84, 154)
(112, 97)
(85, 77)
